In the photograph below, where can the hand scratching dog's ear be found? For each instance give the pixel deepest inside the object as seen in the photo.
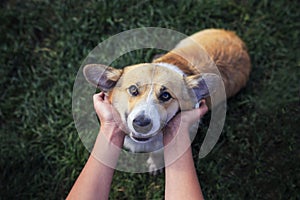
(102, 76)
(203, 85)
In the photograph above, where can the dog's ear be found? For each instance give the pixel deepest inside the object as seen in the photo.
(102, 76)
(203, 85)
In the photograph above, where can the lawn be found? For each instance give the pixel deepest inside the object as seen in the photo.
(43, 44)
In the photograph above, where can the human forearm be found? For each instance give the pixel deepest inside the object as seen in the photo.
(181, 176)
(93, 182)
(181, 179)
(95, 179)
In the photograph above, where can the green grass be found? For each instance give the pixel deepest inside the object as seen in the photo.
(43, 44)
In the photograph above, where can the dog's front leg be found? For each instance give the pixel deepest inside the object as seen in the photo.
(156, 162)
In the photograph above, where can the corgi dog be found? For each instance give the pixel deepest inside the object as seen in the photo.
(148, 95)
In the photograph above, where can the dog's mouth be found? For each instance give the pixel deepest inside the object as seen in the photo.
(140, 140)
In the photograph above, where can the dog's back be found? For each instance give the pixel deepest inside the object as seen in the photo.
(224, 48)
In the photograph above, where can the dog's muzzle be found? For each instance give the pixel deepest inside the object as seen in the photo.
(144, 121)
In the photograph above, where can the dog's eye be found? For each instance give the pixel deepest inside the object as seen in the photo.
(133, 90)
(165, 96)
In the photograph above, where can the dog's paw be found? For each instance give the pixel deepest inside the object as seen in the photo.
(152, 167)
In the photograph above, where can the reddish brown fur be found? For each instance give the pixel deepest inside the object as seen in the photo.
(224, 48)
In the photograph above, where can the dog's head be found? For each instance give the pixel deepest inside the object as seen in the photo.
(148, 95)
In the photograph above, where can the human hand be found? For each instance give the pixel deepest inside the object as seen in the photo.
(110, 119)
(176, 133)
(182, 121)
(107, 114)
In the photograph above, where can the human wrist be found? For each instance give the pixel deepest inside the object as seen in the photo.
(182, 160)
(113, 134)
(176, 134)
(108, 145)
(176, 146)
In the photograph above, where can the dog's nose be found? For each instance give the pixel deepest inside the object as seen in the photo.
(142, 123)
(142, 120)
